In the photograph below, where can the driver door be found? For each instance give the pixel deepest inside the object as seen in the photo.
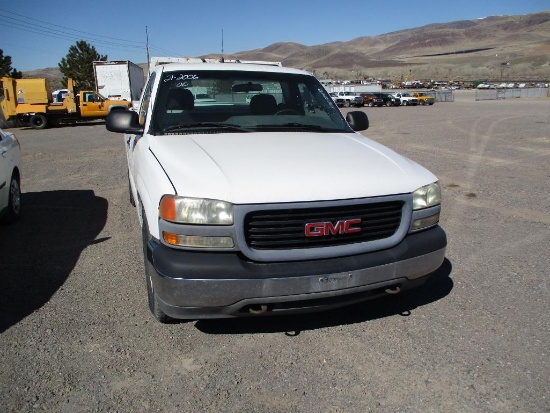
(91, 105)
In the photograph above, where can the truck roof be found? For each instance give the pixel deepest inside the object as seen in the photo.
(245, 67)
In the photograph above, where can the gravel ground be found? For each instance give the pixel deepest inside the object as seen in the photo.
(76, 334)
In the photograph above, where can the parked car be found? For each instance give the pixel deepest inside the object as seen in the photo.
(388, 99)
(204, 97)
(406, 98)
(10, 177)
(348, 99)
(371, 99)
(424, 98)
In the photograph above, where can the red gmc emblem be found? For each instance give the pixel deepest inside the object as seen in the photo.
(321, 229)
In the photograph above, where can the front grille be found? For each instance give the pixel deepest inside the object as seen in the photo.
(285, 228)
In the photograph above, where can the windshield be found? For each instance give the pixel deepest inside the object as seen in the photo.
(242, 101)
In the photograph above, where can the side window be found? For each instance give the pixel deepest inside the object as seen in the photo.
(144, 108)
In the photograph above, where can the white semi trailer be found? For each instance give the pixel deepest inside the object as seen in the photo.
(122, 80)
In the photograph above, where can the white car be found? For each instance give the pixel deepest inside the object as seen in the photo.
(274, 206)
(10, 177)
(406, 99)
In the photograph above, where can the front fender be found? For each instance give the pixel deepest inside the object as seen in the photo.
(151, 183)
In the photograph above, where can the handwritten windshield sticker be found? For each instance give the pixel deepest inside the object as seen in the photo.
(179, 77)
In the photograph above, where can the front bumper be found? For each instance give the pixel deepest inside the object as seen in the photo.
(197, 285)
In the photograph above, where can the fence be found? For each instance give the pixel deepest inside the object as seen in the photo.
(439, 95)
(493, 94)
(443, 95)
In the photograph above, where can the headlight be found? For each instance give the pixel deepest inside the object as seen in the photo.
(427, 196)
(195, 211)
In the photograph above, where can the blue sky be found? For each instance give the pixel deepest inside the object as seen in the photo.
(37, 34)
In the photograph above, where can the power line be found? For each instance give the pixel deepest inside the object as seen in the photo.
(66, 33)
(93, 35)
(62, 36)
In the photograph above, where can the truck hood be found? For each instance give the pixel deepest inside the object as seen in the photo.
(269, 167)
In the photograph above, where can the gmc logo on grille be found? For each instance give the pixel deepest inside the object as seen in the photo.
(321, 229)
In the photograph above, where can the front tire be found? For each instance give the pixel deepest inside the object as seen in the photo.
(151, 296)
(14, 201)
(38, 121)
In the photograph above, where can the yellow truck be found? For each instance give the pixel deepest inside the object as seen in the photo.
(29, 101)
(424, 98)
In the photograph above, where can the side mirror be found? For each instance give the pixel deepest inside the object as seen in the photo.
(123, 121)
(358, 120)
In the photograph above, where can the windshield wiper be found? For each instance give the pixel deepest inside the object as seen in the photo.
(294, 125)
(225, 126)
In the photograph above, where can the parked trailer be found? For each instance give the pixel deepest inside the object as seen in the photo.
(363, 88)
(119, 80)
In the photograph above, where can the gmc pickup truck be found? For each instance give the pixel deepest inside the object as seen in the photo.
(273, 205)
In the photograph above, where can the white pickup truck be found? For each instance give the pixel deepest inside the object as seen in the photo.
(348, 99)
(273, 205)
(406, 98)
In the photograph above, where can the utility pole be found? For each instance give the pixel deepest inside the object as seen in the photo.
(503, 66)
(147, 49)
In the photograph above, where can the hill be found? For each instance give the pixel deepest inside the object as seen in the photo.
(496, 48)
(511, 47)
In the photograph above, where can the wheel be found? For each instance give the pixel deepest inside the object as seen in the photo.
(371, 104)
(14, 201)
(38, 121)
(388, 103)
(346, 103)
(151, 297)
(405, 103)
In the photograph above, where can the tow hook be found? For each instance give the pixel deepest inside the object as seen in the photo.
(395, 290)
(261, 309)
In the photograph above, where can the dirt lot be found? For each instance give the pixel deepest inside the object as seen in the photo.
(76, 334)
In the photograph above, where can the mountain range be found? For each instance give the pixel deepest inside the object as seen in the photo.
(495, 48)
